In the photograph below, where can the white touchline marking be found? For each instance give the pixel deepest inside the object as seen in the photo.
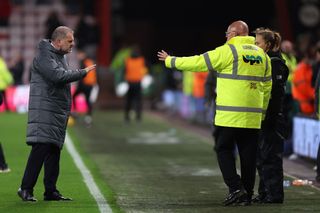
(88, 179)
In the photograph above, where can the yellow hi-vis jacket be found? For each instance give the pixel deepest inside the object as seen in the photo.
(243, 80)
(6, 78)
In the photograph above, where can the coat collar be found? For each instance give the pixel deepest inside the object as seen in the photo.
(46, 45)
(241, 40)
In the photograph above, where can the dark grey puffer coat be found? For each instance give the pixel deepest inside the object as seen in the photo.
(50, 96)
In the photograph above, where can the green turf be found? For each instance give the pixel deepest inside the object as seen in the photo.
(153, 166)
(70, 183)
(157, 166)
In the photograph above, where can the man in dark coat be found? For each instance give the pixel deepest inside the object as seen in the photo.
(49, 110)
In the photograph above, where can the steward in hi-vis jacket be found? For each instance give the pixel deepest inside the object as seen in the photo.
(243, 90)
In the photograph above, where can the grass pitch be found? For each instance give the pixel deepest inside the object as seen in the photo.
(153, 166)
(70, 183)
(160, 166)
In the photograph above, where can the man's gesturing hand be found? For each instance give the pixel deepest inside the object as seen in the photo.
(89, 68)
(162, 55)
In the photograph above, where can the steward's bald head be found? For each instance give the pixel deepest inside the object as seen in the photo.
(239, 27)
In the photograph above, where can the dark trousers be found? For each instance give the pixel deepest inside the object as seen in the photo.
(246, 140)
(134, 100)
(3, 163)
(269, 164)
(86, 90)
(42, 154)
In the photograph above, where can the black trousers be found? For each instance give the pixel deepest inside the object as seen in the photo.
(3, 163)
(47, 155)
(133, 100)
(269, 164)
(246, 140)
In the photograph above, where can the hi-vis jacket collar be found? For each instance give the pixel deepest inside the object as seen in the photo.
(241, 40)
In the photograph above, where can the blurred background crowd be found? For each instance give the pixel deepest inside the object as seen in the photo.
(109, 31)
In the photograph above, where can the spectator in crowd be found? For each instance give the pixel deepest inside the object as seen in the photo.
(210, 88)
(43, 2)
(243, 94)
(316, 66)
(199, 94)
(210, 97)
(6, 80)
(16, 66)
(3, 164)
(117, 65)
(273, 130)
(135, 70)
(187, 108)
(302, 90)
(290, 106)
(5, 12)
(72, 6)
(87, 32)
(47, 122)
(288, 54)
(172, 87)
(85, 85)
(52, 23)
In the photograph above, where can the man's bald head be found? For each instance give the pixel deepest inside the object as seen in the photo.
(239, 27)
(62, 39)
(60, 33)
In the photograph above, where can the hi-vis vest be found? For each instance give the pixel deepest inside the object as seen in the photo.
(5, 75)
(135, 69)
(243, 80)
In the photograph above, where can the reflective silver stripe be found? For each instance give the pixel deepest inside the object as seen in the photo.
(173, 62)
(235, 59)
(267, 66)
(208, 62)
(239, 109)
(243, 77)
(234, 74)
(269, 78)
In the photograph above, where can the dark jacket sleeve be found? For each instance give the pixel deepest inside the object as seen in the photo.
(54, 70)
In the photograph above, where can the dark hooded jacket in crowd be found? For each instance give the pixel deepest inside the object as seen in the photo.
(50, 96)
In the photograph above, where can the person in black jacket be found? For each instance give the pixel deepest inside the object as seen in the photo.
(49, 110)
(273, 131)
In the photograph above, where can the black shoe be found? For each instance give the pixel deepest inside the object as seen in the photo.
(4, 168)
(259, 198)
(56, 196)
(244, 200)
(233, 197)
(26, 195)
(270, 200)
